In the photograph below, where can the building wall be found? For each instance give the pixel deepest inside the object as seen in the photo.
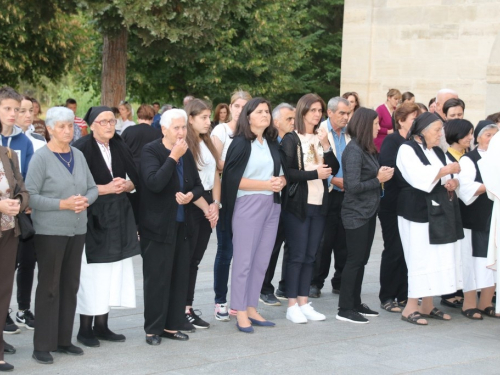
(423, 46)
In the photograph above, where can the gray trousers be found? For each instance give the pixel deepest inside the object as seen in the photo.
(255, 224)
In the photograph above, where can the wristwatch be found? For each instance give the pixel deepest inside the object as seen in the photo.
(218, 203)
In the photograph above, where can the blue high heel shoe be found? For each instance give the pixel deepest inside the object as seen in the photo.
(265, 323)
(244, 329)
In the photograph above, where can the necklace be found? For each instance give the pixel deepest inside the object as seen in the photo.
(70, 158)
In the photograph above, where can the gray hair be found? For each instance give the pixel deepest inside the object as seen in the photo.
(487, 127)
(165, 107)
(174, 113)
(333, 103)
(58, 114)
(277, 109)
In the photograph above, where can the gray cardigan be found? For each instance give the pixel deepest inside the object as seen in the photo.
(362, 187)
(48, 182)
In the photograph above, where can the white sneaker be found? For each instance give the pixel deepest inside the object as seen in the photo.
(295, 315)
(310, 313)
(221, 312)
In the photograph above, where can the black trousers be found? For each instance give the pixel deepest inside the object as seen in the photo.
(26, 262)
(303, 239)
(393, 271)
(333, 239)
(359, 244)
(267, 286)
(59, 264)
(198, 243)
(166, 277)
(8, 250)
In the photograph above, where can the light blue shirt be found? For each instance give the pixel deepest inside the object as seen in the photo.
(339, 147)
(260, 166)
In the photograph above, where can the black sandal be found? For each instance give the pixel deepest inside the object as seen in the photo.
(470, 314)
(435, 314)
(489, 311)
(402, 303)
(390, 305)
(455, 304)
(413, 318)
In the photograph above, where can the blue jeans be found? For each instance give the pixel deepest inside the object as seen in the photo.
(222, 263)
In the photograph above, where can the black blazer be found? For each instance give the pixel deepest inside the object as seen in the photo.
(290, 149)
(160, 183)
(236, 161)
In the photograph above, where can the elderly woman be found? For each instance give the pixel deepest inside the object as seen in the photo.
(13, 199)
(393, 271)
(251, 207)
(61, 188)
(169, 183)
(385, 112)
(428, 219)
(363, 178)
(476, 217)
(107, 275)
(309, 161)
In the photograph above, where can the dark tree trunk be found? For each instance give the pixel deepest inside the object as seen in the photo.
(114, 68)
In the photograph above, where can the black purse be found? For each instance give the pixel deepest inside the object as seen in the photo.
(25, 224)
(293, 187)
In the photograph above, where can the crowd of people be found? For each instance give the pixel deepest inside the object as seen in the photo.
(81, 198)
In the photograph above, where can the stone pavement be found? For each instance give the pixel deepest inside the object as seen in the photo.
(385, 346)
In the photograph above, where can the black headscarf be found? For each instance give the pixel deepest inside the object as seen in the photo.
(93, 112)
(123, 164)
(480, 126)
(420, 123)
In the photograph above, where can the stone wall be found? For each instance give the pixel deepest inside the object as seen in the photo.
(423, 46)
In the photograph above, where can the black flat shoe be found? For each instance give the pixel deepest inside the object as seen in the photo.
(69, 349)
(4, 367)
(109, 336)
(175, 336)
(8, 349)
(153, 340)
(89, 342)
(45, 358)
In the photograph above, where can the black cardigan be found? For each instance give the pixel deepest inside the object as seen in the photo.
(236, 161)
(297, 204)
(160, 183)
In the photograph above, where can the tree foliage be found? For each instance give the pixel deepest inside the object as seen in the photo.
(39, 39)
(279, 49)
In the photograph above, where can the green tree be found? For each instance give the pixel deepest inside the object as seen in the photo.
(324, 19)
(147, 21)
(257, 48)
(39, 39)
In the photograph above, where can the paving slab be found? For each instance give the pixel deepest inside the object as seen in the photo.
(386, 345)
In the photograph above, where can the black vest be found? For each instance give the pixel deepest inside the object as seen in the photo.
(412, 203)
(436, 208)
(477, 216)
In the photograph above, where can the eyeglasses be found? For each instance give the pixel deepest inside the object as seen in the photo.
(123, 102)
(111, 122)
